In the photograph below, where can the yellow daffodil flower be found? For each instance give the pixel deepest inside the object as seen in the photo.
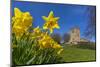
(21, 22)
(45, 41)
(56, 46)
(51, 22)
(36, 33)
(37, 30)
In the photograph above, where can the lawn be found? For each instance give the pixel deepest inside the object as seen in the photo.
(74, 54)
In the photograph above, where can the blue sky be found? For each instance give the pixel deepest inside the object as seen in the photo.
(70, 15)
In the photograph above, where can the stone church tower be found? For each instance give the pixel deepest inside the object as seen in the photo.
(74, 35)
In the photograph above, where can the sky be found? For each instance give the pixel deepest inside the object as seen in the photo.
(70, 15)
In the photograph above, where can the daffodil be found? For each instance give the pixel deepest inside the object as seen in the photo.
(45, 41)
(37, 30)
(56, 46)
(21, 22)
(36, 33)
(51, 22)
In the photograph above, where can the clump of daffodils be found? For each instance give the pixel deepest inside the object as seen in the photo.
(22, 25)
(44, 39)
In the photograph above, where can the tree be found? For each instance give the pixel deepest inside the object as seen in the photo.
(91, 25)
(56, 37)
(66, 37)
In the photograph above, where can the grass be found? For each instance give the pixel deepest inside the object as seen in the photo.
(74, 54)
